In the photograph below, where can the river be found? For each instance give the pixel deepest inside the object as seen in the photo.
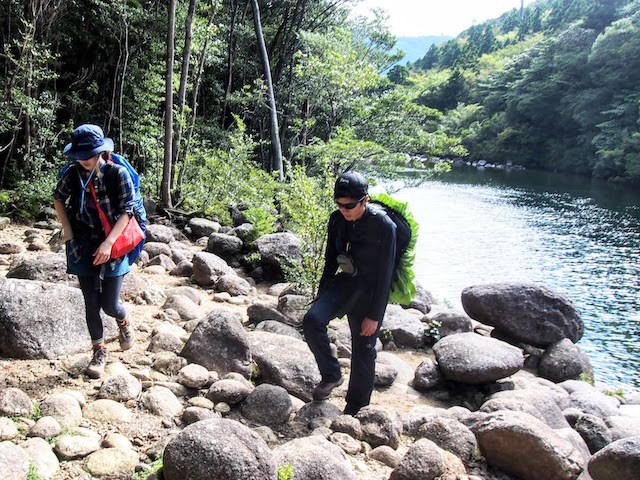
(577, 235)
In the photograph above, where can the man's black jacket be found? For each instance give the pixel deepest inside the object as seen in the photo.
(371, 242)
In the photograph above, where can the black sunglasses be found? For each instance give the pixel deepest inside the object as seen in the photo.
(350, 205)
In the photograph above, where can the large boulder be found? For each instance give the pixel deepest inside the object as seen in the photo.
(451, 435)
(159, 233)
(594, 403)
(43, 320)
(286, 362)
(220, 343)
(473, 359)
(538, 398)
(406, 328)
(207, 268)
(218, 448)
(268, 405)
(226, 246)
(564, 360)
(14, 461)
(523, 446)
(314, 458)
(619, 460)
(426, 461)
(380, 426)
(452, 321)
(202, 227)
(279, 250)
(527, 312)
(51, 267)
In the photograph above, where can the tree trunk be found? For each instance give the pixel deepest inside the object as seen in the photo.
(196, 88)
(182, 90)
(230, 59)
(168, 119)
(276, 149)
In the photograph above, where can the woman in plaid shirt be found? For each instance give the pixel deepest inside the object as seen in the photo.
(88, 248)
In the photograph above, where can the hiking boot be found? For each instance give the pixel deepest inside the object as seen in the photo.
(97, 363)
(323, 389)
(126, 335)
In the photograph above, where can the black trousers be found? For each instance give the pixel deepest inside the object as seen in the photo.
(344, 295)
(104, 296)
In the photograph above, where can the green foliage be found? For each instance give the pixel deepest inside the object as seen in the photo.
(218, 178)
(156, 466)
(33, 474)
(386, 335)
(37, 413)
(618, 392)
(285, 472)
(263, 221)
(586, 377)
(305, 205)
(432, 332)
(30, 195)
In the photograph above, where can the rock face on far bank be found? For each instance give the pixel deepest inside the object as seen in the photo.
(528, 312)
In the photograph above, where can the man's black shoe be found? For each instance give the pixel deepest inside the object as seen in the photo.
(323, 389)
(350, 410)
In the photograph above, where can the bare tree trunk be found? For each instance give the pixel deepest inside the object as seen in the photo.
(230, 59)
(168, 120)
(196, 89)
(119, 75)
(124, 75)
(182, 90)
(276, 149)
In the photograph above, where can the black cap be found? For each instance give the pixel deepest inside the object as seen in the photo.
(351, 184)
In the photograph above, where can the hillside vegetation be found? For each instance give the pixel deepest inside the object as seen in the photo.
(553, 87)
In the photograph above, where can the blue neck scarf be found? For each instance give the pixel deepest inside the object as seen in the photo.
(85, 185)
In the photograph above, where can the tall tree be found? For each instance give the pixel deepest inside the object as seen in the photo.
(182, 89)
(276, 149)
(168, 109)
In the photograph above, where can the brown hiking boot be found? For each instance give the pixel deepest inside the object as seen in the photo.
(126, 335)
(323, 389)
(97, 363)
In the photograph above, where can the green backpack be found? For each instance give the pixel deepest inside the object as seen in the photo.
(403, 283)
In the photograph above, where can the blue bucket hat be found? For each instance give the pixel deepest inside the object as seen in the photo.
(86, 141)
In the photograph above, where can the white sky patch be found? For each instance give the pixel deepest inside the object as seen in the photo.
(414, 18)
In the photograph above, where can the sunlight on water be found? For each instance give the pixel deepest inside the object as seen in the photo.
(482, 232)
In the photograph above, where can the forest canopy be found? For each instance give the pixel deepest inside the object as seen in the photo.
(261, 93)
(554, 87)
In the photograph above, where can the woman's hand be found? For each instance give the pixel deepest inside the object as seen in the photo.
(103, 253)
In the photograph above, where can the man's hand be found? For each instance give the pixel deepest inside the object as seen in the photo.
(368, 327)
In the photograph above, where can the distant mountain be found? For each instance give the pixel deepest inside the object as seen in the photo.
(416, 47)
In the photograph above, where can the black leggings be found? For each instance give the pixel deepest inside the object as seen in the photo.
(105, 298)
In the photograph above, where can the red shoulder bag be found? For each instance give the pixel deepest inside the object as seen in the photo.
(131, 236)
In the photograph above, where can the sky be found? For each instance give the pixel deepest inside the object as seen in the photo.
(414, 18)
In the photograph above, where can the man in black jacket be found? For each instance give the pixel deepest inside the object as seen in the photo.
(359, 264)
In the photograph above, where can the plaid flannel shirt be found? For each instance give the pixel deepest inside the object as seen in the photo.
(87, 213)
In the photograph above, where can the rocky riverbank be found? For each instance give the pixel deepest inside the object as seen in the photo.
(219, 382)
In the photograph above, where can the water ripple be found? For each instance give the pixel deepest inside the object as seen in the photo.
(577, 242)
